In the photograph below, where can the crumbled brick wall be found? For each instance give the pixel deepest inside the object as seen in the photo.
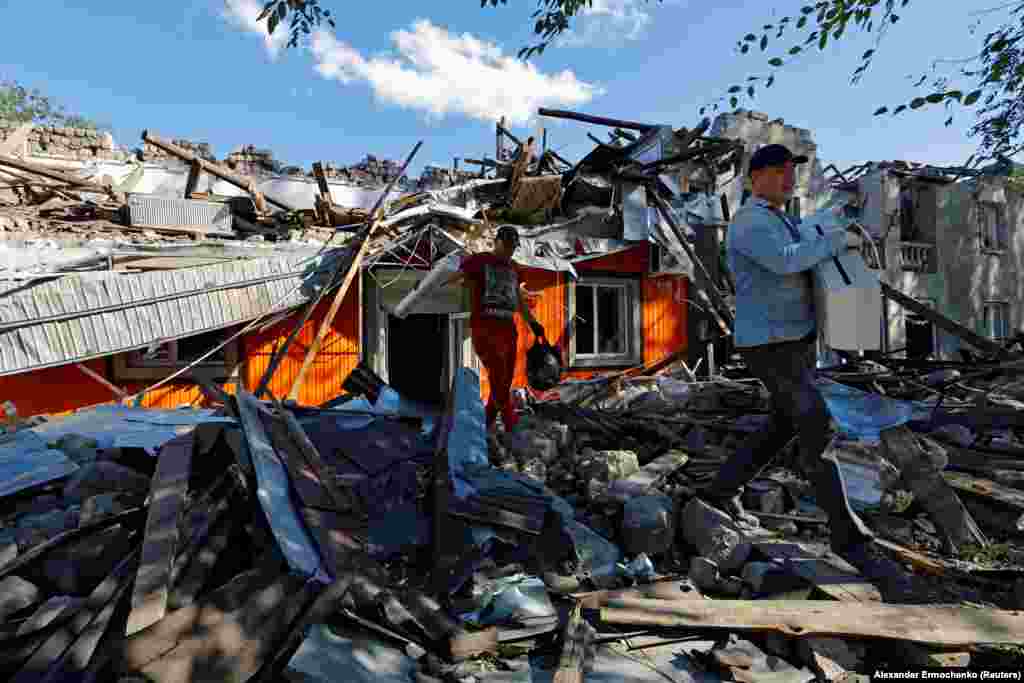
(251, 161)
(200, 149)
(66, 143)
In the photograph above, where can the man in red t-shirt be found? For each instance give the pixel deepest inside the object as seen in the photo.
(496, 297)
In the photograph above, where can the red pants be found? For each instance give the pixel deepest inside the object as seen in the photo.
(495, 344)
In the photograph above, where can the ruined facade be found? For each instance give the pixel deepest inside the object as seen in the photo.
(756, 130)
(72, 144)
(200, 149)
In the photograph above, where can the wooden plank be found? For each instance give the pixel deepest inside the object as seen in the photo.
(1006, 495)
(321, 181)
(947, 626)
(658, 590)
(167, 500)
(354, 267)
(50, 652)
(100, 379)
(53, 174)
(834, 576)
(596, 120)
(217, 170)
(943, 323)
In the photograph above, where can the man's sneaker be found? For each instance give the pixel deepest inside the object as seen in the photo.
(888, 576)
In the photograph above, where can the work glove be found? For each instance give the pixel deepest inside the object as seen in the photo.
(538, 329)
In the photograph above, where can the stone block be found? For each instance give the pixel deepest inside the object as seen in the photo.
(714, 534)
(648, 525)
(16, 594)
(607, 466)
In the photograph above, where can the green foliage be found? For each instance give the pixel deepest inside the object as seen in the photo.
(306, 15)
(22, 105)
(996, 72)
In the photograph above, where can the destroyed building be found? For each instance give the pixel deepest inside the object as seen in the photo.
(387, 534)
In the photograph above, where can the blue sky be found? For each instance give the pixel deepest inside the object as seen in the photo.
(395, 72)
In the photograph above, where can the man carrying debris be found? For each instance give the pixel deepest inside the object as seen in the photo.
(772, 262)
(497, 293)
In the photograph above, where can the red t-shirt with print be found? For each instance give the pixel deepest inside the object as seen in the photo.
(494, 287)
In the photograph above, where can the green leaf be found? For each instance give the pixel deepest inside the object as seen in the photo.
(735, 89)
(867, 55)
(768, 83)
(898, 109)
(949, 121)
(881, 110)
(733, 101)
(935, 98)
(282, 10)
(972, 98)
(745, 49)
(750, 37)
(702, 110)
(955, 95)
(917, 103)
(807, 10)
(750, 91)
(775, 61)
(795, 50)
(753, 78)
(801, 22)
(272, 23)
(266, 10)
(764, 43)
(823, 41)
(894, 18)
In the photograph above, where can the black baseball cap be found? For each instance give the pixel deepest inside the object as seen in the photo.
(508, 233)
(774, 155)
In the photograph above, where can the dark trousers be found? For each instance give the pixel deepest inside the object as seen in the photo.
(788, 371)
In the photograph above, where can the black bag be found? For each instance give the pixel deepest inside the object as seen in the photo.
(543, 365)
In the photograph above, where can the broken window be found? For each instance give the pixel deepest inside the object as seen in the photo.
(161, 359)
(605, 330)
(992, 232)
(997, 320)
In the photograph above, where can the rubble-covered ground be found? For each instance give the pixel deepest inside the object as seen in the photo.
(280, 542)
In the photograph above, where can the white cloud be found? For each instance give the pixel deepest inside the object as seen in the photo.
(607, 21)
(440, 73)
(243, 14)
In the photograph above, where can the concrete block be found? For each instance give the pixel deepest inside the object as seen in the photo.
(715, 536)
(16, 594)
(648, 525)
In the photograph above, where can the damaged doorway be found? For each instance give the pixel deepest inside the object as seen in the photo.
(417, 352)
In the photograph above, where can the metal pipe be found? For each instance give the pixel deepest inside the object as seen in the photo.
(596, 120)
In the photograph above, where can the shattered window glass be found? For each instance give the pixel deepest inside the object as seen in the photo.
(601, 319)
(585, 319)
(610, 328)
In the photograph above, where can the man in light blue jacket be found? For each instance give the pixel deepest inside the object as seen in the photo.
(772, 261)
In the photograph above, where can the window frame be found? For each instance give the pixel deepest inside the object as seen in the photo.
(1004, 308)
(995, 231)
(127, 366)
(633, 305)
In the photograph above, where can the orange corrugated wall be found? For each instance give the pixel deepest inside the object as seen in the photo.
(65, 388)
(338, 356)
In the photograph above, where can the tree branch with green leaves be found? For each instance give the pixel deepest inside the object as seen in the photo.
(994, 76)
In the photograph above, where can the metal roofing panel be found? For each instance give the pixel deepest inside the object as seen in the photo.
(92, 315)
(153, 210)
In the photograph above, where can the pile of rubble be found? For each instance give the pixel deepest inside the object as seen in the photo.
(384, 538)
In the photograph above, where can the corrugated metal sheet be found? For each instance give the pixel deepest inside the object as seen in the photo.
(153, 210)
(98, 314)
(26, 461)
(664, 316)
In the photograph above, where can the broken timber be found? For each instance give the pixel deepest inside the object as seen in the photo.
(216, 170)
(52, 174)
(167, 498)
(952, 626)
(944, 323)
(353, 268)
(596, 120)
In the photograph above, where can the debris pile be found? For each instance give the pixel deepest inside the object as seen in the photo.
(383, 537)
